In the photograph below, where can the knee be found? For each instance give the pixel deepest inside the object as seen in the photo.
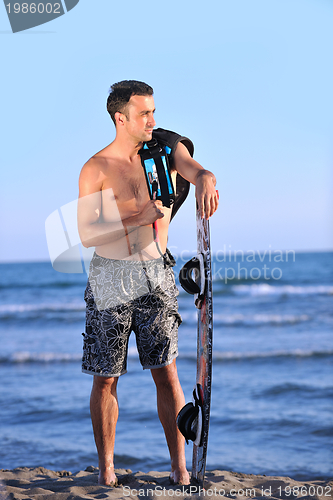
(105, 384)
(165, 376)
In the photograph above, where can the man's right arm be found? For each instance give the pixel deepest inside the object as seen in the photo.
(93, 232)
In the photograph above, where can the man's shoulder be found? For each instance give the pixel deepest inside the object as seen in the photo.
(94, 162)
(99, 160)
(91, 170)
(171, 140)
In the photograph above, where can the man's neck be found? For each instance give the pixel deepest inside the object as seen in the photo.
(126, 148)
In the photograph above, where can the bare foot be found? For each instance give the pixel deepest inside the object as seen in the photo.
(107, 477)
(179, 477)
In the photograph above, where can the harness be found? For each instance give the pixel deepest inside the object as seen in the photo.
(156, 156)
(154, 159)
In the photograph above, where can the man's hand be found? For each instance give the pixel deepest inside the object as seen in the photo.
(206, 194)
(150, 213)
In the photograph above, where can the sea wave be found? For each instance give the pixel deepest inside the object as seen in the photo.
(191, 317)
(308, 390)
(250, 319)
(40, 357)
(257, 319)
(293, 353)
(38, 285)
(230, 356)
(266, 289)
(218, 356)
(6, 309)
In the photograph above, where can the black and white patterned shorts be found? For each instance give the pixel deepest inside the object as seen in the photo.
(124, 296)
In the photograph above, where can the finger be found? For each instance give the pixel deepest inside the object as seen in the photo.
(208, 207)
(201, 204)
(159, 212)
(215, 204)
(157, 215)
(211, 206)
(207, 211)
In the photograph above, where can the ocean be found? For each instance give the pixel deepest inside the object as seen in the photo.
(272, 394)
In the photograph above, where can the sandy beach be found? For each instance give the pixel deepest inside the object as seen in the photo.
(39, 483)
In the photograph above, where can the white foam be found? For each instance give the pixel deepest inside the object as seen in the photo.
(257, 319)
(60, 306)
(249, 319)
(59, 357)
(265, 289)
(301, 353)
(41, 357)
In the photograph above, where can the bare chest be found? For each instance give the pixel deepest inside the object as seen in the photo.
(128, 187)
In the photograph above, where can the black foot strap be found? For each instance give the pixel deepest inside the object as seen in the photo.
(189, 419)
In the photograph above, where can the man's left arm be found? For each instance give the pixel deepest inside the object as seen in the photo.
(204, 180)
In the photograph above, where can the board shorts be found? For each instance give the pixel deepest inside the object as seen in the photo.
(124, 296)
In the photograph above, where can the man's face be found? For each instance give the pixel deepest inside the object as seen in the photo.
(140, 114)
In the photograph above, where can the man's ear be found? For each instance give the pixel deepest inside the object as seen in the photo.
(120, 118)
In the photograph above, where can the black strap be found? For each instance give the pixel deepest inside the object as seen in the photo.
(185, 419)
(182, 190)
(153, 150)
(185, 278)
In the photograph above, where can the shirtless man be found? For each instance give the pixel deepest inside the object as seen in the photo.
(115, 216)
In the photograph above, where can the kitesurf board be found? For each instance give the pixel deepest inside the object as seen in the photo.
(204, 349)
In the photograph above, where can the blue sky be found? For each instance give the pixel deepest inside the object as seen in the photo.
(250, 82)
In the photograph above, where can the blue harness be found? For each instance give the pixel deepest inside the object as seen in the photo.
(154, 159)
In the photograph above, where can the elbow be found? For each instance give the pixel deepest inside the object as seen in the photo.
(85, 244)
(85, 239)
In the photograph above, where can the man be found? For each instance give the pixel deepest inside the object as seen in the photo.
(128, 274)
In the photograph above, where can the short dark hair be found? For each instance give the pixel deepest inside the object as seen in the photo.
(120, 94)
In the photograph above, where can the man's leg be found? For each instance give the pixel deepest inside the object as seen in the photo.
(170, 400)
(104, 416)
